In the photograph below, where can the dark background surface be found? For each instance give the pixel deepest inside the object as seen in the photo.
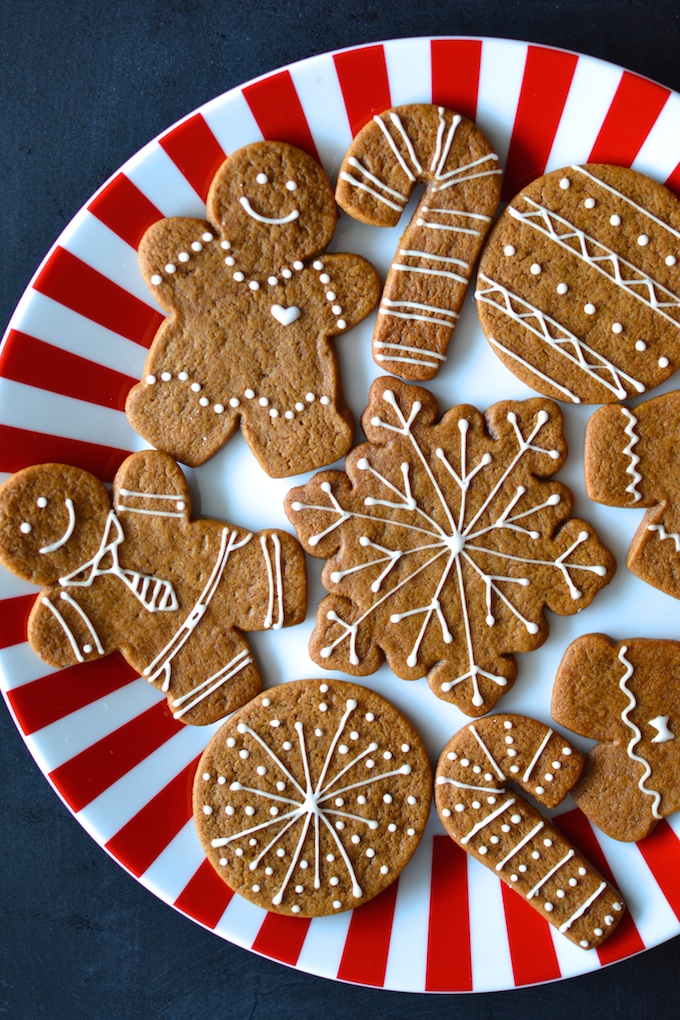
(84, 86)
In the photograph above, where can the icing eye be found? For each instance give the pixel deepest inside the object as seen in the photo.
(262, 179)
(291, 185)
(25, 528)
(41, 502)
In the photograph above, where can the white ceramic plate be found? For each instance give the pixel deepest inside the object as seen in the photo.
(75, 344)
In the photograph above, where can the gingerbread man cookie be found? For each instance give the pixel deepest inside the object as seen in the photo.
(626, 695)
(487, 817)
(140, 576)
(253, 301)
(578, 289)
(446, 541)
(428, 279)
(631, 460)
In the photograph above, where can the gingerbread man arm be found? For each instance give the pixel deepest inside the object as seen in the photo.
(150, 484)
(62, 631)
(352, 290)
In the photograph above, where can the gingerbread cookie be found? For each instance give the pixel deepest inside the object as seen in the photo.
(312, 798)
(428, 279)
(445, 542)
(579, 288)
(631, 460)
(252, 300)
(140, 576)
(503, 831)
(625, 694)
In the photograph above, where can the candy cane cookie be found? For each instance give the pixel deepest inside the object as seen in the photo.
(428, 278)
(483, 812)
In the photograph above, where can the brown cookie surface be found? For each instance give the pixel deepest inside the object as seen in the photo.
(138, 575)
(488, 818)
(428, 279)
(446, 541)
(632, 460)
(253, 301)
(626, 695)
(311, 799)
(578, 289)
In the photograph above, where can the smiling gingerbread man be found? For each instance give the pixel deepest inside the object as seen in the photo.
(252, 301)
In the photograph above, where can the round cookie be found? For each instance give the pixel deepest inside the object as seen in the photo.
(578, 288)
(487, 817)
(312, 798)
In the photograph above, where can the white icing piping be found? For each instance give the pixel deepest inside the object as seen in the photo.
(628, 452)
(518, 846)
(487, 820)
(541, 748)
(275, 581)
(539, 885)
(665, 534)
(293, 215)
(582, 909)
(65, 627)
(85, 618)
(625, 198)
(637, 735)
(664, 731)
(68, 532)
(220, 677)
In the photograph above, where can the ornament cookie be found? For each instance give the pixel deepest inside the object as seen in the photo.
(446, 542)
(578, 289)
(626, 695)
(253, 301)
(631, 460)
(140, 576)
(489, 819)
(428, 279)
(312, 798)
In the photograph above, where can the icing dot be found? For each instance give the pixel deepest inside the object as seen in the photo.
(514, 878)
(387, 755)
(536, 855)
(337, 904)
(406, 748)
(452, 756)
(370, 763)
(266, 702)
(339, 801)
(522, 868)
(156, 279)
(565, 183)
(615, 220)
(589, 203)
(272, 280)
(670, 260)
(323, 707)
(289, 415)
(41, 502)
(460, 807)
(562, 288)
(323, 688)
(335, 880)
(465, 762)
(663, 362)
(309, 397)
(491, 800)
(507, 724)
(640, 345)
(196, 387)
(617, 906)
(291, 185)
(325, 278)
(540, 790)
(598, 932)
(261, 770)
(244, 754)
(617, 327)
(548, 777)
(509, 740)
(230, 741)
(151, 379)
(204, 401)
(384, 869)
(511, 752)
(295, 909)
(340, 825)
(476, 805)
(273, 811)
(196, 246)
(557, 765)
(336, 310)
(535, 269)
(509, 250)
(184, 256)
(341, 323)
(274, 722)
(325, 401)
(298, 265)
(226, 245)
(263, 402)
(207, 810)
(476, 768)
(584, 943)
(25, 528)
(229, 810)
(221, 780)
(239, 277)
(330, 858)
(547, 842)
(318, 732)
(207, 237)
(493, 839)
(356, 839)
(548, 906)
(273, 413)
(280, 785)
(317, 264)
(250, 811)
(286, 274)
(514, 768)
(230, 260)
(279, 853)
(343, 749)
(261, 178)
(561, 894)
(411, 800)
(370, 852)
(206, 776)
(589, 309)
(566, 750)
(582, 871)
(299, 406)
(330, 295)
(87, 649)
(516, 819)
(446, 813)
(183, 376)
(254, 285)
(361, 799)
(483, 850)
(643, 240)
(299, 889)
(269, 871)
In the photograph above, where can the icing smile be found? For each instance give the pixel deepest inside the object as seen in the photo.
(267, 219)
(67, 534)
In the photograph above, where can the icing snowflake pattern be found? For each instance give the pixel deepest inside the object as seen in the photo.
(445, 545)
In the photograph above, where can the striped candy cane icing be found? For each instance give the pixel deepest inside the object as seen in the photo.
(429, 274)
(497, 826)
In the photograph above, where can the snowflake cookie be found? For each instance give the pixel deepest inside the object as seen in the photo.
(428, 279)
(312, 798)
(485, 815)
(625, 694)
(141, 577)
(578, 289)
(631, 460)
(446, 542)
(253, 301)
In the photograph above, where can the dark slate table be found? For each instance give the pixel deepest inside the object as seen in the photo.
(84, 86)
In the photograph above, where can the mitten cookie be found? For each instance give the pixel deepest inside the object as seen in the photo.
(140, 576)
(252, 301)
(428, 279)
(625, 694)
(445, 542)
(312, 798)
(506, 833)
(579, 288)
(632, 459)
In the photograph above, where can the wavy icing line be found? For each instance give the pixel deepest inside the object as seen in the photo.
(628, 452)
(637, 735)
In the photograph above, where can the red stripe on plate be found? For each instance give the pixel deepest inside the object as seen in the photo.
(545, 87)
(449, 962)
(455, 74)
(52, 697)
(196, 152)
(146, 835)
(70, 281)
(125, 209)
(661, 851)
(95, 769)
(14, 615)
(365, 86)
(19, 448)
(673, 181)
(364, 957)
(36, 363)
(205, 897)
(276, 107)
(281, 937)
(531, 946)
(631, 116)
(626, 939)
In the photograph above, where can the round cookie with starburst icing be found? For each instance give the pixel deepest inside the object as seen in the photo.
(578, 290)
(312, 798)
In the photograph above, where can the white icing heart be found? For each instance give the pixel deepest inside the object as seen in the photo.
(285, 315)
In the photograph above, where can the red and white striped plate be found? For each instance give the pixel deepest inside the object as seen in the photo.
(75, 345)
